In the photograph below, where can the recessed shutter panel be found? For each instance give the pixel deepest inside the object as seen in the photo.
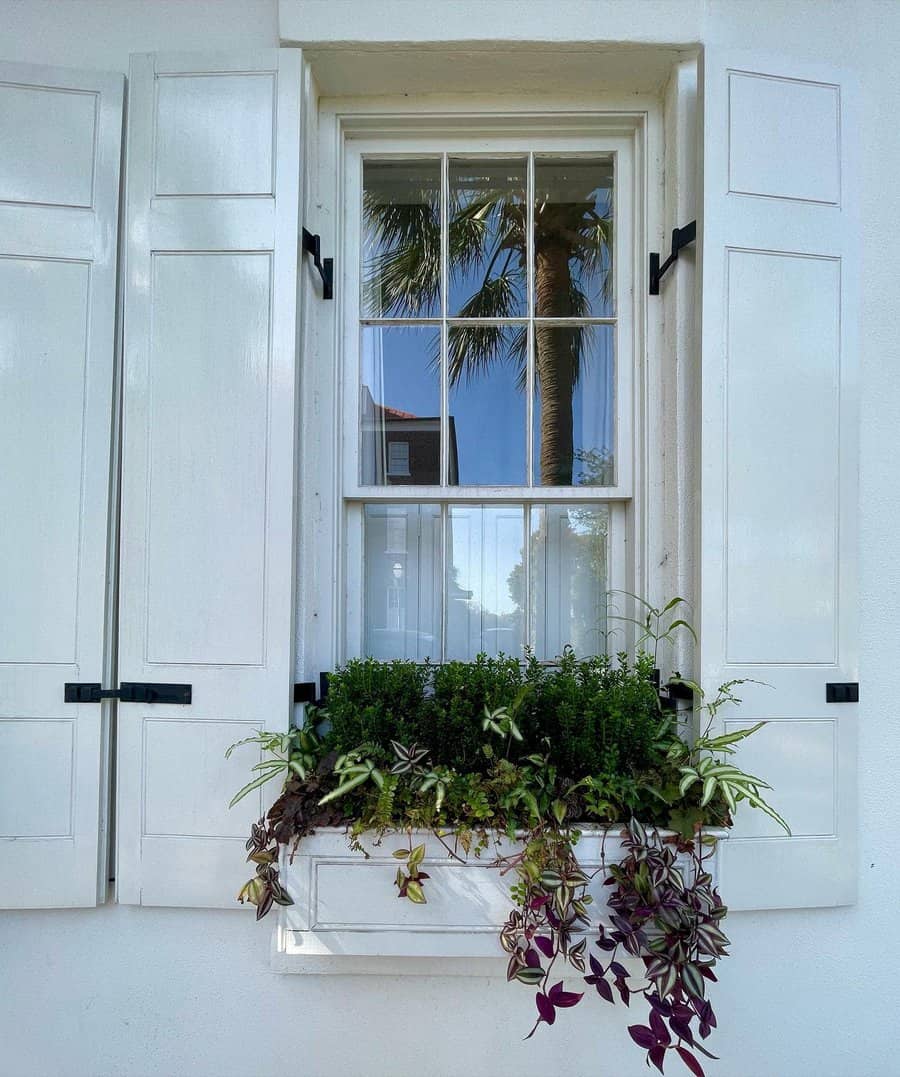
(779, 464)
(208, 465)
(60, 133)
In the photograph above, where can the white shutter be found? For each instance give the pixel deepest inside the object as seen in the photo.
(60, 133)
(779, 463)
(208, 466)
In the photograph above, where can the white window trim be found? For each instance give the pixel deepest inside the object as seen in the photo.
(323, 594)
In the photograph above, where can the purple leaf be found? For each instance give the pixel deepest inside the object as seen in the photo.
(660, 1005)
(659, 1028)
(642, 1036)
(562, 998)
(596, 967)
(691, 1062)
(681, 1029)
(545, 1008)
(657, 1056)
(545, 945)
(624, 993)
(604, 990)
(606, 944)
(619, 970)
(532, 960)
(538, 902)
(622, 924)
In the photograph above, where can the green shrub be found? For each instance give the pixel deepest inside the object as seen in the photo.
(597, 716)
(373, 703)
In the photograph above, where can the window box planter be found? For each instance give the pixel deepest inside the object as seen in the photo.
(346, 912)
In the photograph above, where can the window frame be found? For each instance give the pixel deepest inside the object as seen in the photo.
(329, 584)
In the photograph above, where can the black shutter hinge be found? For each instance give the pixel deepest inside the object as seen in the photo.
(842, 693)
(681, 237)
(313, 245)
(128, 692)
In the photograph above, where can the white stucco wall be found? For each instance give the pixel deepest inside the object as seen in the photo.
(126, 991)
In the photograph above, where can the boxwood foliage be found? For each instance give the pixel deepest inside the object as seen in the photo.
(594, 715)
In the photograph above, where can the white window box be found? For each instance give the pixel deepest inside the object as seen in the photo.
(348, 918)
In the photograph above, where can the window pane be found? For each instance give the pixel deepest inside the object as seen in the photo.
(402, 581)
(485, 586)
(569, 578)
(574, 406)
(487, 405)
(401, 238)
(400, 406)
(487, 238)
(573, 205)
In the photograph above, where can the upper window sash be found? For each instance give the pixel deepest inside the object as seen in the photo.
(620, 148)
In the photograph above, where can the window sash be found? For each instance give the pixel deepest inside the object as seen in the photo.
(392, 148)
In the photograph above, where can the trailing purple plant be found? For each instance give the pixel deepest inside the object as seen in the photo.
(665, 912)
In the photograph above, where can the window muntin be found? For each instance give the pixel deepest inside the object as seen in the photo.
(491, 558)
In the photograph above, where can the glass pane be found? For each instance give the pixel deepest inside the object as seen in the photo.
(487, 405)
(485, 580)
(487, 218)
(574, 405)
(569, 578)
(401, 239)
(400, 406)
(573, 206)
(402, 581)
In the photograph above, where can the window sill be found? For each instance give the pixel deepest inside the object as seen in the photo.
(347, 917)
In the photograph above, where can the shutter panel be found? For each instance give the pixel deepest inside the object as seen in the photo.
(779, 464)
(59, 201)
(208, 467)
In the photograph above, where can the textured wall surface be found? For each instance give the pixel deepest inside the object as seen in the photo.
(121, 991)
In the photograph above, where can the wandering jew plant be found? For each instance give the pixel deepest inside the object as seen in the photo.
(478, 750)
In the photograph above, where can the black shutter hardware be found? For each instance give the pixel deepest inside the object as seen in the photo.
(681, 237)
(313, 245)
(128, 692)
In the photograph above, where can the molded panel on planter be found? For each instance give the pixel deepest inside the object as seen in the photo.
(347, 913)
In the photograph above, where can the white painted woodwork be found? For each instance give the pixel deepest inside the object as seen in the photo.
(346, 908)
(779, 464)
(208, 474)
(59, 201)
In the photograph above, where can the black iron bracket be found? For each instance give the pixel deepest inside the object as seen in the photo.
(313, 245)
(671, 692)
(842, 693)
(681, 237)
(305, 691)
(128, 692)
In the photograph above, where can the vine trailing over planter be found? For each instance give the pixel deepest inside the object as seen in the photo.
(472, 751)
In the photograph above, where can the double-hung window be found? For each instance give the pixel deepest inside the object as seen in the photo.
(488, 357)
